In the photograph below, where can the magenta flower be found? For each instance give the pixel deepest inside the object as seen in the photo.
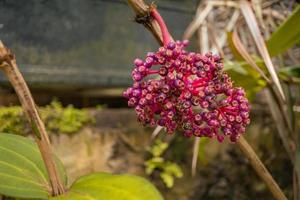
(187, 91)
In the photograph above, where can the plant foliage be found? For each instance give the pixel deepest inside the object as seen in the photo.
(168, 170)
(57, 119)
(287, 35)
(100, 186)
(22, 170)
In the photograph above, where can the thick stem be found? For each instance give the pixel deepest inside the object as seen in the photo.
(260, 169)
(142, 11)
(10, 68)
(162, 25)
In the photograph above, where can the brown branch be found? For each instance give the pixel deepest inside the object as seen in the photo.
(9, 66)
(142, 9)
(260, 169)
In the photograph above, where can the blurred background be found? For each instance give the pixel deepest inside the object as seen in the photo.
(77, 57)
(81, 51)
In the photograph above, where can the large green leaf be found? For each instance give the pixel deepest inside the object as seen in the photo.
(22, 170)
(287, 35)
(104, 186)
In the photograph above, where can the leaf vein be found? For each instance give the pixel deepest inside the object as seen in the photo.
(30, 161)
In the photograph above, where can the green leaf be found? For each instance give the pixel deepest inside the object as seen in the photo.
(173, 169)
(153, 163)
(104, 186)
(22, 170)
(245, 76)
(168, 179)
(287, 35)
(290, 74)
(158, 148)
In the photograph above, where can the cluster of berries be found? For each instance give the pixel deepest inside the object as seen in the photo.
(189, 92)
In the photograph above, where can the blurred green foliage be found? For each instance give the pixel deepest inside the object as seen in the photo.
(64, 119)
(201, 152)
(290, 74)
(245, 76)
(12, 120)
(58, 119)
(168, 170)
(287, 34)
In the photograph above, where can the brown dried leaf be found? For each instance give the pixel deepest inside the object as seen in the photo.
(196, 23)
(244, 53)
(260, 43)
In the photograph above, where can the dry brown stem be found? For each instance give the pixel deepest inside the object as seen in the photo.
(260, 169)
(9, 66)
(143, 16)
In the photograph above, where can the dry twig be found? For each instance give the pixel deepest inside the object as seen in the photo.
(260, 169)
(9, 66)
(260, 43)
(195, 155)
(196, 23)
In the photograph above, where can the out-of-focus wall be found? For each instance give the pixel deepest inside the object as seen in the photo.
(81, 43)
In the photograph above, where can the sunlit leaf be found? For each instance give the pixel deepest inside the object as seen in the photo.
(287, 35)
(22, 170)
(153, 163)
(173, 169)
(168, 179)
(104, 186)
(158, 148)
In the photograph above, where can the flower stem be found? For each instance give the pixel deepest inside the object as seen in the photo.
(9, 66)
(195, 155)
(153, 71)
(163, 27)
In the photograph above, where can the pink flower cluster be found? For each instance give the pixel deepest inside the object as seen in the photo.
(189, 92)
